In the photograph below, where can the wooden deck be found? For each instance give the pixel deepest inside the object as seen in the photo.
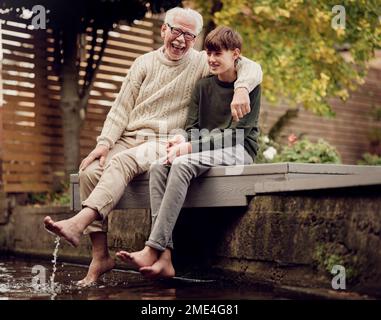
(234, 186)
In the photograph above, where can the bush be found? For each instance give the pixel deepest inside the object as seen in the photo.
(309, 152)
(370, 159)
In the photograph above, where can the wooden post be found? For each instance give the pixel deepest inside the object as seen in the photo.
(2, 195)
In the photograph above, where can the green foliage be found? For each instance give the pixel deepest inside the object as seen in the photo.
(59, 198)
(301, 54)
(374, 135)
(309, 152)
(376, 113)
(370, 160)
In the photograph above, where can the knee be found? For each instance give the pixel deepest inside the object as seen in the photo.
(88, 174)
(182, 161)
(182, 165)
(156, 166)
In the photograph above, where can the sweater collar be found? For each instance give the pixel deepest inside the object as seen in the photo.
(223, 84)
(163, 59)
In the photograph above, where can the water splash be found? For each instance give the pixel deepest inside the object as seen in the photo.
(53, 286)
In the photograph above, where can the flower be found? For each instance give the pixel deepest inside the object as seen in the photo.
(269, 153)
(266, 139)
(292, 138)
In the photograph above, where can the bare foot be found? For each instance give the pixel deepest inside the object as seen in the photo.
(65, 229)
(96, 269)
(138, 259)
(162, 268)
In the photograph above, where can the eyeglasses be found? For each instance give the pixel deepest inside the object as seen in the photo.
(178, 32)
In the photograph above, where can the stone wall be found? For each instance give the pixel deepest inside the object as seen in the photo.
(288, 239)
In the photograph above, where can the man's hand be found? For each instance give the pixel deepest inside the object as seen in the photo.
(177, 139)
(177, 150)
(99, 152)
(240, 105)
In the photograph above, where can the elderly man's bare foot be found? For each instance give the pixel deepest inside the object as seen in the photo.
(97, 268)
(65, 229)
(162, 268)
(138, 259)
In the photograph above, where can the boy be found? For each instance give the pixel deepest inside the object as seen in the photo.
(209, 111)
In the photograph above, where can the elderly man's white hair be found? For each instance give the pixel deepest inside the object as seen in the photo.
(184, 12)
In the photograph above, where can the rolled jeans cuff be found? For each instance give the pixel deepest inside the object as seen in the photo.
(158, 246)
(102, 209)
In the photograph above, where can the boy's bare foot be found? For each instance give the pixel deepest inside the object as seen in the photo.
(162, 268)
(97, 268)
(142, 258)
(65, 229)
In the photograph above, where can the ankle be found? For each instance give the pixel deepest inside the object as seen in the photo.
(101, 255)
(151, 252)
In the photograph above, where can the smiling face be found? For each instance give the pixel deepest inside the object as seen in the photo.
(222, 61)
(175, 47)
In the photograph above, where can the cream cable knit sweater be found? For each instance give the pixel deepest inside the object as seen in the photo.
(156, 93)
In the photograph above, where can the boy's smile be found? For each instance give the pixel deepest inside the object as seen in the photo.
(222, 63)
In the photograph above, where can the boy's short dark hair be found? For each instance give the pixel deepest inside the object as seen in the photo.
(223, 38)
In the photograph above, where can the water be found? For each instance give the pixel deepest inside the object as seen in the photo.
(18, 282)
(53, 287)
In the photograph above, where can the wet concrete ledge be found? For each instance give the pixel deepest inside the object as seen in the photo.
(285, 238)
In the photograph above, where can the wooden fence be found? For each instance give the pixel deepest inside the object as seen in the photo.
(31, 144)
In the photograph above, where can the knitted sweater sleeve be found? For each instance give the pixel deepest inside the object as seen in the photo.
(118, 116)
(249, 74)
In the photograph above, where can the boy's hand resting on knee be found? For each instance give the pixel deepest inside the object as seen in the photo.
(177, 139)
(99, 152)
(178, 150)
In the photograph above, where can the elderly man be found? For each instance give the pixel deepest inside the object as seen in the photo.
(155, 95)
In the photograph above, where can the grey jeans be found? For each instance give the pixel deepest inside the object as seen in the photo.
(169, 186)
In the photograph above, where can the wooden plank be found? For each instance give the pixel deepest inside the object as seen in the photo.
(47, 130)
(342, 181)
(37, 137)
(9, 178)
(30, 157)
(32, 148)
(331, 168)
(27, 187)
(25, 168)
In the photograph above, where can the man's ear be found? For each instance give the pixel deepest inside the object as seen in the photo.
(162, 30)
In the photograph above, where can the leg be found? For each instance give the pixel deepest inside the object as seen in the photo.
(71, 229)
(170, 196)
(157, 185)
(166, 200)
(101, 262)
(182, 171)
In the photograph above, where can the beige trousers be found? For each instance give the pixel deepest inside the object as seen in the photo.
(101, 188)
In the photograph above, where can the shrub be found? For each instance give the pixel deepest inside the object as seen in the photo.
(309, 152)
(370, 159)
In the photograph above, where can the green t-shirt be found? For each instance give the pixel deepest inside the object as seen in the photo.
(210, 109)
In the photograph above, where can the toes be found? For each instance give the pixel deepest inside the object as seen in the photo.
(124, 255)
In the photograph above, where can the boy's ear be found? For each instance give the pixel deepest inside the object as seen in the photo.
(236, 53)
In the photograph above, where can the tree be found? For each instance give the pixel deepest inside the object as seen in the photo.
(69, 20)
(309, 50)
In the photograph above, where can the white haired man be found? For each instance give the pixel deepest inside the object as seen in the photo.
(155, 95)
